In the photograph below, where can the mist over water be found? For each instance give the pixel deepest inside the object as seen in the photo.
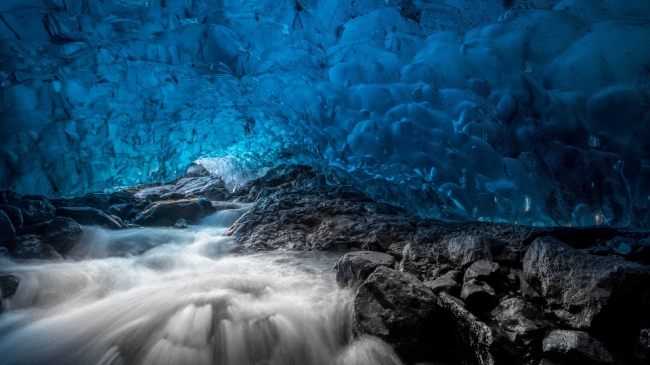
(163, 296)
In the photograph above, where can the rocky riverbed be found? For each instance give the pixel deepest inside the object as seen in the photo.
(437, 292)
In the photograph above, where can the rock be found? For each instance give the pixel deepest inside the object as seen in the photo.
(7, 231)
(395, 250)
(605, 295)
(398, 309)
(520, 320)
(642, 348)
(479, 295)
(180, 224)
(120, 197)
(355, 267)
(88, 217)
(93, 200)
(62, 233)
(167, 213)
(464, 250)
(283, 174)
(173, 196)
(448, 283)
(35, 211)
(488, 272)
(14, 215)
(32, 247)
(410, 267)
(8, 196)
(121, 210)
(8, 285)
(575, 346)
(466, 339)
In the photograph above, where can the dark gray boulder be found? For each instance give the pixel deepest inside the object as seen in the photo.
(575, 347)
(447, 283)
(7, 231)
(62, 233)
(8, 196)
(35, 211)
(488, 272)
(464, 250)
(33, 247)
(467, 340)
(479, 295)
(89, 217)
(14, 215)
(604, 295)
(8, 285)
(355, 267)
(399, 309)
(167, 213)
(93, 200)
(521, 321)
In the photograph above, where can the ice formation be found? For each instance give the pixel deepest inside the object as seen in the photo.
(527, 111)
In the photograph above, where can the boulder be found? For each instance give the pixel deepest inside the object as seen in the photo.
(14, 215)
(7, 231)
(575, 347)
(466, 339)
(120, 197)
(196, 170)
(606, 295)
(167, 213)
(399, 309)
(62, 233)
(180, 224)
(8, 285)
(93, 200)
(464, 250)
(88, 216)
(479, 295)
(355, 267)
(32, 247)
(521, 321)
(447, 283)
(35, 211)
(488, 272)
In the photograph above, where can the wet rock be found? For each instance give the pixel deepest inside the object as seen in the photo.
(464, 250)
(173, 196)
(14, 215)
(121, 210)
(8, 285)
(167, 213)
(62, 233)
(575, 346)
(32, 247)
(605, 295)
(35, 211)
(7, 231)
(465, 338)
(520, 320)
(447, 283)
(398, 309)
(479, 295)
(395, 250)
(89, 217)
(355, 267)
(180, 224)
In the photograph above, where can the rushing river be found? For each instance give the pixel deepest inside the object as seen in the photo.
(163, 296)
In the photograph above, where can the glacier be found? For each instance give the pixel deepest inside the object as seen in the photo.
(527, 111)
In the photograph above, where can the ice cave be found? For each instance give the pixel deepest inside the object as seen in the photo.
(325, 182)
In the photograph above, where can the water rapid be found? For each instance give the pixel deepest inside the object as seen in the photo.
(163, 296)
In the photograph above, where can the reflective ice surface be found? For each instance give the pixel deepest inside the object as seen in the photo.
(528, 111)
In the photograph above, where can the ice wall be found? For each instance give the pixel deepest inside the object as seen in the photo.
(528, 111)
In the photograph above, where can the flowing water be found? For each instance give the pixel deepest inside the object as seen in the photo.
(163, 296)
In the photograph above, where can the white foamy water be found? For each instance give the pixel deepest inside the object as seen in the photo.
(162, 296)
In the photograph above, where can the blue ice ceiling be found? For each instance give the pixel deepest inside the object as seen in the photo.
(527, 111)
